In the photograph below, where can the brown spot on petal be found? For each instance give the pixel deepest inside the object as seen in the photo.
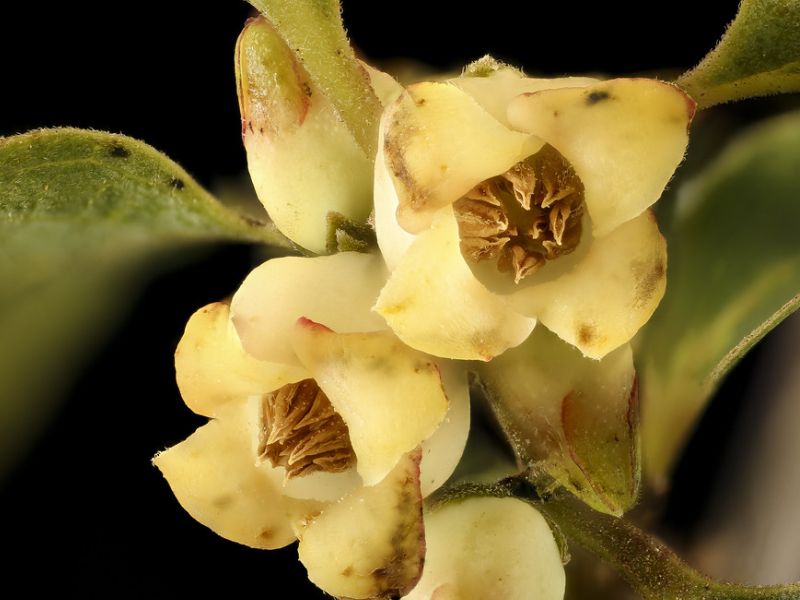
(649, 280)
(596, 97)
(415, 197)
(267, 534)
(399, 576)
(586, 334)
(223, 502)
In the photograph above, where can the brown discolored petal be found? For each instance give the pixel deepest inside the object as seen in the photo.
(371, 544)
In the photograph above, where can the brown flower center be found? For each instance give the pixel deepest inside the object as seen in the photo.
(301, 432)
(525, 217)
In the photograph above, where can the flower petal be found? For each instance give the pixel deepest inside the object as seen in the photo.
(434, 303)
(386, 87)
(214, 477)
(337, 290)
(489, 548)
(495, 91)
(625, 137)
(372, 543)
(442, 451)
(438, 143)
(320, 485)
(393, 240)
(604, 300)
(390, 396)
(303, 161)
(572, 416)
(212, 368)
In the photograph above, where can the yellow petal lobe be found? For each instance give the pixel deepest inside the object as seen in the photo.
(624, 137)
(434, 303)
(337, 290)
(390, 396)
(603, 301)
(371, 544)
(214, 476)
(212, 368)
(436, 142)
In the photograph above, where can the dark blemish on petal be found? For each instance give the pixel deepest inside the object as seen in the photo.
(585, 334)
(119, 151)
(648, 282)
(267, 534)
(222, 502)
(306, 89)
(596, 97)
(348, 571)
(177, 183)
(555, 113)
(420, 101)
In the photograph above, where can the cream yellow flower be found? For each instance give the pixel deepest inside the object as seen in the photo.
(303, 160)
(324, 425)
(501, 200)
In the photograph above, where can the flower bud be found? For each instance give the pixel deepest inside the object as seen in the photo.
(303, 160)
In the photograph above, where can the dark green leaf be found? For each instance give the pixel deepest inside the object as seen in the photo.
(734, 273)
(81, 214)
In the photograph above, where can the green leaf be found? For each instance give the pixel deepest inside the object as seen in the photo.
(734, 273)
(758, 55)
(314, 29)
(570, 416)
(82, 215)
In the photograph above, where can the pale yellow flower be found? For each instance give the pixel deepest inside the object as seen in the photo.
(501, 200)
(303, 161)
(324, 425)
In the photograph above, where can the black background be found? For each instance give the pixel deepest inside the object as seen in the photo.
(85, 513)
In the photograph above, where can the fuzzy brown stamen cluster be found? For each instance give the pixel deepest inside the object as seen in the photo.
(301, 432)
(525, 217)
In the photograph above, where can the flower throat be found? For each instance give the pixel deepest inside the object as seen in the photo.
(302, 432)
(522, 219)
